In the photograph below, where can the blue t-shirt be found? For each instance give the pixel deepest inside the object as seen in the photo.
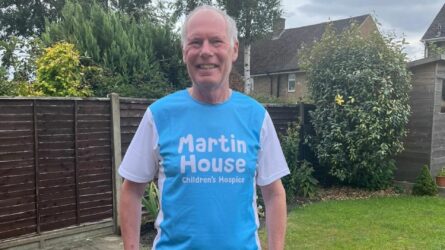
(208, 160)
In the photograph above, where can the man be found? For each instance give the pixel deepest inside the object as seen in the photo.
(208, 146)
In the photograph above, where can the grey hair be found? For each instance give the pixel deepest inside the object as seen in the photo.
(232, 31)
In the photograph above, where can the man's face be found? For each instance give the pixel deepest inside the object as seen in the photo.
(207, 51)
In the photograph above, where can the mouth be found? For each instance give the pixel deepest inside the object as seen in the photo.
(207, 66)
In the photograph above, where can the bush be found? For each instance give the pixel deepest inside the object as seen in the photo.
(290, 145)
(425, 185)
(304, 181)
(360, 87)
(150, 200)
(301, 180)
(59, 72)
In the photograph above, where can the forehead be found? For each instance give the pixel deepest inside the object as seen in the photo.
(206, 23)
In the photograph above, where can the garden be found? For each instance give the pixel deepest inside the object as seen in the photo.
(341, 195)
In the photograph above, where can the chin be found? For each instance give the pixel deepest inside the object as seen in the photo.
(208, 83)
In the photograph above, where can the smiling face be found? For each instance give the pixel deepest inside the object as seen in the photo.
(207, 51)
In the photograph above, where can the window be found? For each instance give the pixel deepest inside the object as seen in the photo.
(291, 83)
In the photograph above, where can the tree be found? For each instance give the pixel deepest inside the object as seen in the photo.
(18, 56)
(137, 58)
(134, 8)
(360, 87)
(424, 184)
(185, 6)
(27, 18)
(254, 19)
(59, 72)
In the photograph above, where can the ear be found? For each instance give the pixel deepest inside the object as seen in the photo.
(235, 51)
(183, 54)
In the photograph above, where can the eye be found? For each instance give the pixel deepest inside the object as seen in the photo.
(195, 43)
(217, 42)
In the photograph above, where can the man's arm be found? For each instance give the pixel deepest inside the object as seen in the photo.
(130, 213)
(276, 214)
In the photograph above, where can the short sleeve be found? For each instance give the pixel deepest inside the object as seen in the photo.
(141, 161)
(271, 162)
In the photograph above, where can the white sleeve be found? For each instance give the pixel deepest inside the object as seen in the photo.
(271, 162)
(140, 163)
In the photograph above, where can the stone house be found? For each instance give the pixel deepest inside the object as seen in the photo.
(274, 60)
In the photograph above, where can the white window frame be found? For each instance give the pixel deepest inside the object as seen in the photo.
(291, 80)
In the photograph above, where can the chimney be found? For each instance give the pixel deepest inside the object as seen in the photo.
(278, 27)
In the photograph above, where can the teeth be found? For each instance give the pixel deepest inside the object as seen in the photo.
(207, 66)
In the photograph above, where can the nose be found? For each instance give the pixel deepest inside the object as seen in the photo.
(206, 49)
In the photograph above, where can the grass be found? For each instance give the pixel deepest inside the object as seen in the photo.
(403, 222)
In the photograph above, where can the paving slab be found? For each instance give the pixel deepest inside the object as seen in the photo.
(109, 242)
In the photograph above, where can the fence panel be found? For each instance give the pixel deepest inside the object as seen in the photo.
(17, 173)
(55, 164)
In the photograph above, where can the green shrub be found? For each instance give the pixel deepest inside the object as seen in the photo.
(304, 180)
(300, 181)
(290, 145)
(59, 72)
(360, 87)
(150, 200)
(425, 184)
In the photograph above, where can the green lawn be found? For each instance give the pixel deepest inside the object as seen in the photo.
(403, 222)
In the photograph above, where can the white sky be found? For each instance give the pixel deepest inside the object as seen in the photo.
(406, 18)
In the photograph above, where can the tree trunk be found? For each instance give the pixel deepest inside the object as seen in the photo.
(247, 78)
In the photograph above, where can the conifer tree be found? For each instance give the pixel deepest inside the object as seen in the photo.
(425, 184)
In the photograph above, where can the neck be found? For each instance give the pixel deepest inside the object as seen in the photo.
(211, 96)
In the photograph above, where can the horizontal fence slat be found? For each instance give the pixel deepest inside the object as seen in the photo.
(17, 201)
(96, 203)
(17, 232)
(56, 202)
(13, 216)
(18, 223)
(96, 183)
(17, 193)
(58, 224)
(18, 208)
(95, 217)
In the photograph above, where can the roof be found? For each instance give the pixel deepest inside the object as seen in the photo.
(424, 61)
(437, 27)
(281, 55)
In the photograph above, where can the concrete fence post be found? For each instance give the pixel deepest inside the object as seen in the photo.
(117, 158)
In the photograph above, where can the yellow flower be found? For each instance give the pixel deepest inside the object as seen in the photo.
(339, 99)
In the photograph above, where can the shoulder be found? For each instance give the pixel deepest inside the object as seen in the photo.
(246, 101)
(170, 101)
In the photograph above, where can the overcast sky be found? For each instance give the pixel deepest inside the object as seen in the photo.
(406, 18)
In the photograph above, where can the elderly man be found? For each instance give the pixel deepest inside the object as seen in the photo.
(209, 147)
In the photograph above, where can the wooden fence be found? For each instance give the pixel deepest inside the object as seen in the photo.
(55, 164)
(57, 155)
